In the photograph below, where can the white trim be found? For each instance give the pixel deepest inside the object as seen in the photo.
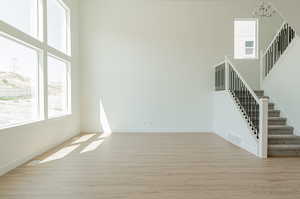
(61, 115)
(159, 130)
(40, 20)
(263, 128)
(13, 33)
(69, 88)
(58, 54)
(219, 64)
(45, 59)
(67, 85)
(68, 33)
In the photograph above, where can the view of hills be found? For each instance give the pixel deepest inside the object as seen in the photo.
(11, 80)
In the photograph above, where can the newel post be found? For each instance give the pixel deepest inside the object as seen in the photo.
(263, 128)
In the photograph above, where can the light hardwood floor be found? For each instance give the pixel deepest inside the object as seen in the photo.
(152, 166)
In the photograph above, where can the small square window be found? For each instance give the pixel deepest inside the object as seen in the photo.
(249, 51)
(245, 39)
(249, 44)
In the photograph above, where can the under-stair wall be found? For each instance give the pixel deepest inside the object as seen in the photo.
(240, 113)
(230, 124)
(283, 84)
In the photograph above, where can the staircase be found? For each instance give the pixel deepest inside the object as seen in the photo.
(274, 137)
(281, 140)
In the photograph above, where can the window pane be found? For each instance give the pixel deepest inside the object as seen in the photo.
(21, 14)
(57, 87)
(249, 44)
(245, 37)
(18, 83)
(249, 51)
(57, 25)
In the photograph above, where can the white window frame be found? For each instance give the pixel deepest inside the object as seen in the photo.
(67, 86)
(68, 32)
(256, 39)
(40, 44)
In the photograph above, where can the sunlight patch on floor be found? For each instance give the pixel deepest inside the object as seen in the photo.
(92, 146)
(60, 154)
(83, 138)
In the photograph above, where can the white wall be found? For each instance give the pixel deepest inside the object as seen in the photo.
(150, 62)
(249, 70)
(282, 84)
(269, 27)
(230, 124)
(289, 9)
(20, 144)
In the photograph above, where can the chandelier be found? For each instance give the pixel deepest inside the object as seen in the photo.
(264, 10)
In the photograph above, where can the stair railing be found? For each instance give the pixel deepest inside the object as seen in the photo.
(220, 76)
(276, 49)
(253, 108)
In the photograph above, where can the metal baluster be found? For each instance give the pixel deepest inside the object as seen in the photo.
(266, 65)
(217, 79)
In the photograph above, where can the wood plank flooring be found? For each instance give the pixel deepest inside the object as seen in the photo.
(152, 166)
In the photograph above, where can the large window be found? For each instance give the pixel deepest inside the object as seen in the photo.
(22, 14)
(57, 87)
(57, 25)
(34, 69)
(18, 83)
(245, 39)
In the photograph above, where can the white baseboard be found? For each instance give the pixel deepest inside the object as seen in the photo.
(18, 162)
(160, 130)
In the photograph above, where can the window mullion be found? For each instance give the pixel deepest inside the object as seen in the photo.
(58, 54)
(69, 89)
(45, 60)
(19, 36)
(69, 38)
